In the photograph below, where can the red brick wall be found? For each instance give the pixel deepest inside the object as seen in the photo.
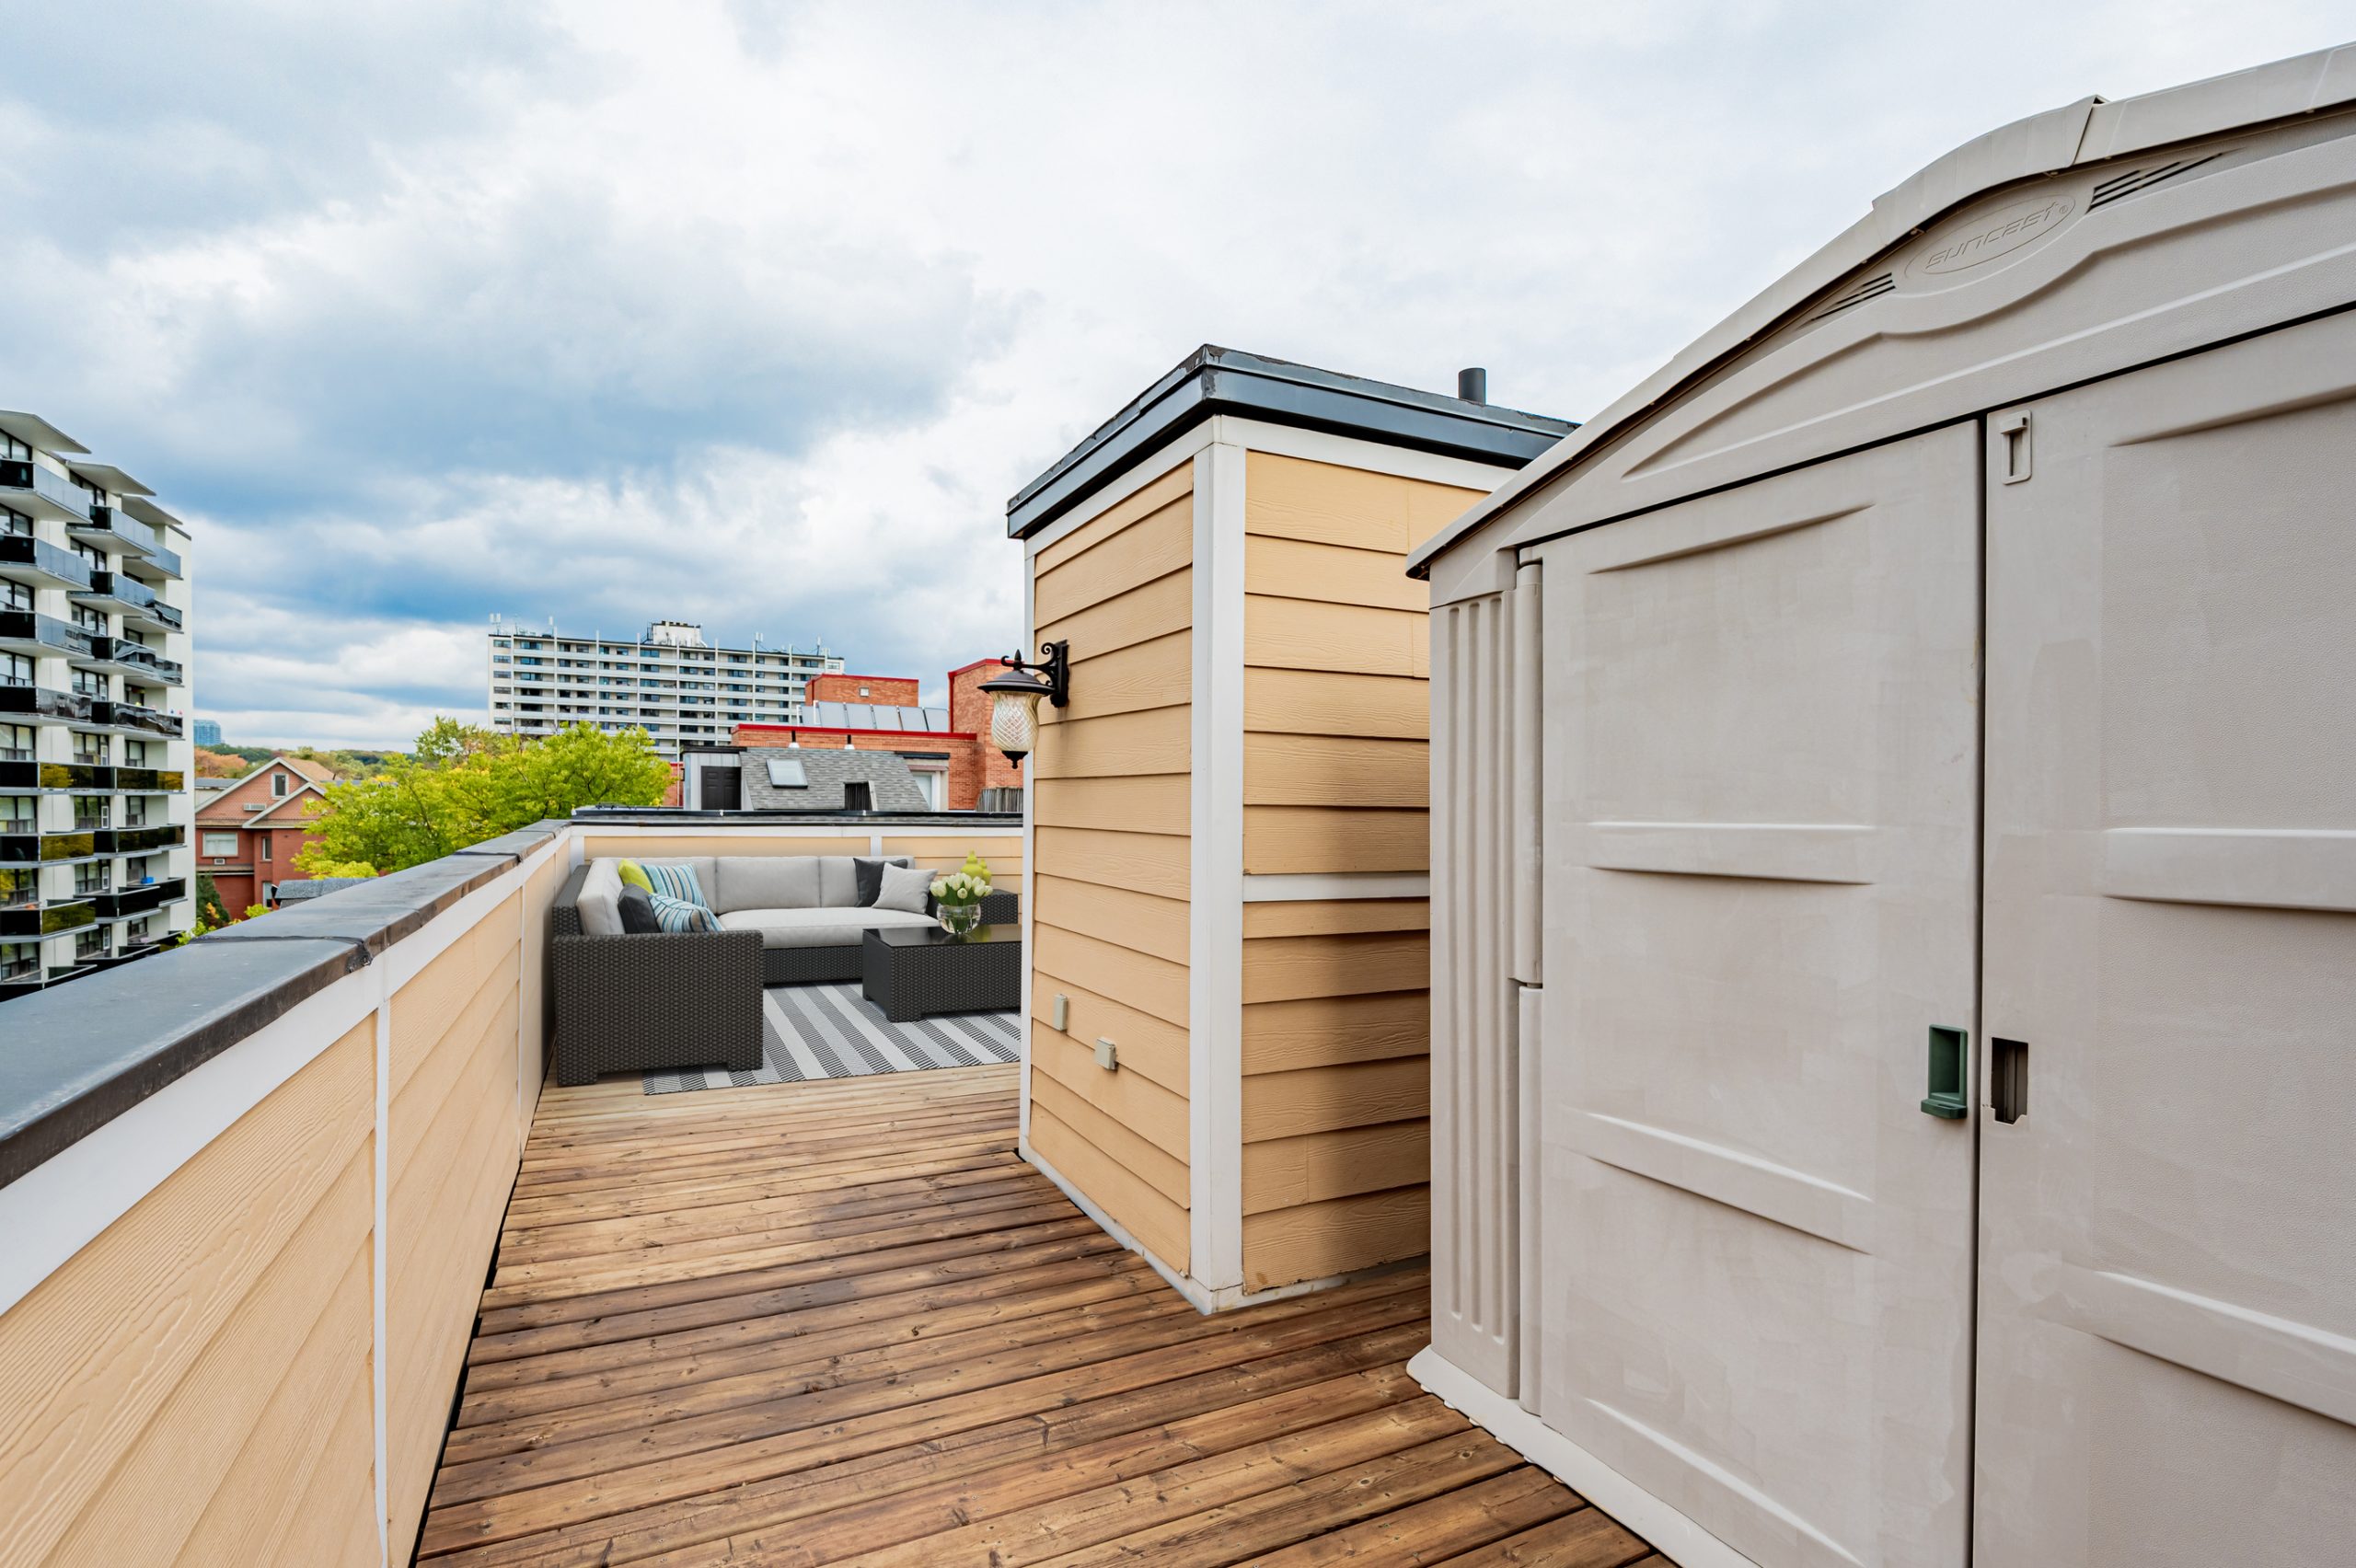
(969, 712)
(886, 691)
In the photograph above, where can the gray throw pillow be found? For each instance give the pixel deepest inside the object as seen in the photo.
(637, 908)
(870, 877)
(904, 888)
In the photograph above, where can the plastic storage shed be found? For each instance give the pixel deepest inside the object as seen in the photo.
(1894, 813)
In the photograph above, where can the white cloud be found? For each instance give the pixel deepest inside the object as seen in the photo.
(757, 314)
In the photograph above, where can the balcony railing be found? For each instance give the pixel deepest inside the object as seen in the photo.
(135, 718)
(141, 898)
(47, 848)
(37, 563)
(149, 780)
(39, 492)
(109, 527)
(141, 840)
(160, 564)
(39, 636)
(42, 705)
(136, 600)
(19, 923)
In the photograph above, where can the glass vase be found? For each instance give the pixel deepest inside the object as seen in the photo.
(959, 919)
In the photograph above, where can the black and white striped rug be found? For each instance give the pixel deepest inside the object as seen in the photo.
(831, 1032)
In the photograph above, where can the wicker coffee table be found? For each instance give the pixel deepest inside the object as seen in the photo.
(911, 971)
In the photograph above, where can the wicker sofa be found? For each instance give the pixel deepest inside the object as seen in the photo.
(645, 1001)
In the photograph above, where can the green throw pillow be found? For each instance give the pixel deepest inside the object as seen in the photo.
(635, 875)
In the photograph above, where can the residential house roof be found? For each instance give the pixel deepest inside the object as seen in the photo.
(823, 770)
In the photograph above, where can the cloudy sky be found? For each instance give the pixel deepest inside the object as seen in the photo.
(755, 313)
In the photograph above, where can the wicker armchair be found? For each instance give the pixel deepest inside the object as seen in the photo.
(646, 1000)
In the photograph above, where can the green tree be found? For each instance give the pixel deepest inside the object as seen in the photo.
(465, 784)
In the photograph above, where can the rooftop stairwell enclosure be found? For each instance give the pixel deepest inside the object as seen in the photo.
(1228, 1010)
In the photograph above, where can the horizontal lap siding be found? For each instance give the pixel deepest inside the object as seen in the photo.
(1337, 779)
(180, 1391)
(1110, 804)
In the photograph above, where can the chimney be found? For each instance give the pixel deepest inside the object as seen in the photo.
(1473, 385)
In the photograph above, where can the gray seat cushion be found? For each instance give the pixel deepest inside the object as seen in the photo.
(766, 882)
(599, 901)
(815, 928)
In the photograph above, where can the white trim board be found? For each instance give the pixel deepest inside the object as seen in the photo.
(1671, 1533)
(1296, 887)
(1215, 873)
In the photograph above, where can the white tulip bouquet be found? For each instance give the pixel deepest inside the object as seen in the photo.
(957, 895)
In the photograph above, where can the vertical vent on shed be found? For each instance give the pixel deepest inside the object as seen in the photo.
(2119, 186)
(1872, 288)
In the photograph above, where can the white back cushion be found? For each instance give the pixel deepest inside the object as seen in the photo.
(766, 882)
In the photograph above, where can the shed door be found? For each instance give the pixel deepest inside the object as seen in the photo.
(1761, 775)
(2168, 1371)
(722, 788)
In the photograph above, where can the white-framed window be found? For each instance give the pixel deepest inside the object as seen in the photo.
(221, 844)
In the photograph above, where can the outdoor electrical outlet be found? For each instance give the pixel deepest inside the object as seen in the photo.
(1062, 1013)
(1108, 1055)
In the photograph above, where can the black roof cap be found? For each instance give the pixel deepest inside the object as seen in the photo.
(1213, 380)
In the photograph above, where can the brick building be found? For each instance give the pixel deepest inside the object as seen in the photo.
(247, 835)
(947, 748)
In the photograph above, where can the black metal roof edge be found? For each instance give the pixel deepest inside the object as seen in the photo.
(1213, 379)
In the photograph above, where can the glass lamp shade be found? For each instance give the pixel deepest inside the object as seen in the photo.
(1014, 721)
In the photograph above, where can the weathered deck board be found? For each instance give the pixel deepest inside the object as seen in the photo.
(844, 1322)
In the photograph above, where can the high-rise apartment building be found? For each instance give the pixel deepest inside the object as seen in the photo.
(95, 762)
(671, 683)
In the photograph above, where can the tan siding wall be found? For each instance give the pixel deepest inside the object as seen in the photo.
(180, 1390)
(1337, 1016)
(195, 1385)
(1110, 800)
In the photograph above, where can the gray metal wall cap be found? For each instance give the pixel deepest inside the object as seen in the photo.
(2089, 131)
(1215, 380)
(84, 1052)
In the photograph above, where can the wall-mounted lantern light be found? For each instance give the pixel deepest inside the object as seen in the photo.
(1014, 697)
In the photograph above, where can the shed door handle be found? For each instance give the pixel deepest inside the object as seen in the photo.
(1950, 1073)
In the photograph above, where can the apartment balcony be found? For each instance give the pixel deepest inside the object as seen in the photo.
(29, 704)
(140, 898)
(22, 922)
(49, 849)
(39, 492)
(159, 564)
(148, 781)
(46, 637)
(136, 718)
(37, 563)
(138, 603)
(141, 663)
(141, 840)
(112, 529)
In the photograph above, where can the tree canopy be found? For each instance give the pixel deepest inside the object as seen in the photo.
(465, 784)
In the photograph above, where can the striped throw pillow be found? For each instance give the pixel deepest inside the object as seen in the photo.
(681, 915)
(675, 882)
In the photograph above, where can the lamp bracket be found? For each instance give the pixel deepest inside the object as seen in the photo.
(1054, 667)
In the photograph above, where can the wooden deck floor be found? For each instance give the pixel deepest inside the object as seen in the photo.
(844, 1322)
